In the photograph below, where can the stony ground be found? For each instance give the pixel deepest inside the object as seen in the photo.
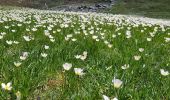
(84, 7)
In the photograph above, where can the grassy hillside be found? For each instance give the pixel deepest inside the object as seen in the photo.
(43, 3)
(46, 55)
(150, 8)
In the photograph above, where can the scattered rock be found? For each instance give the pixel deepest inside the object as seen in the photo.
(85, 7)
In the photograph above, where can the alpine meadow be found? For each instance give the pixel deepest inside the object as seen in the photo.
(55, 55)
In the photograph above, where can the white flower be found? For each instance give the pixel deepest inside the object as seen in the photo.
(117, 83)
(114, 36)
(46, 32)
(16, 42)
(66, 38)
(3, 33)
(52, 40)
(163, 72)
(77, 56)
(9, 42)
(126, 66)
(17, 64)
(149, 39)
(110, 45)
(97, 40)
(83, 57)
(18, 95)
(1, 36)
(27, 29)
(105, 97)
(67, 66)
(114, 98)
(27, 38)
(34, 29)
(69, 35)
(141, 49)
(106, 42)
(19, 24)
(137, 58)
(79, 71)
(51, 37)
(167, 39)
(13, 30)
(119, 33)
(94, 37)
(58, 30)
(7, 27)
(74, 39)
(46, 47)
(24, 56)
(44, 55)
(6, 86)
(128, 34)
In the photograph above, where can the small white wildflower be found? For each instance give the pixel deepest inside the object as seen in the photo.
(15, 42)
(34, 29)
(44, 55)
(126, 66)
(74, 39)
(167, 39)
(24, 56)
(77, 56)
(7, 86)
(119, 33)
(1, 36)
(105, 97)
(3, 33)
(27, 38)
(46, 47)
(83, 56)
(17, 64)
(67, 66)
(137, 57)
(52, 40)
(141, 49)
(9, 42)
(106, 42)
(94, 37)
(114, 98)
(18, 95)
(163, 72)
(114, 36)
(79, 71)
(117, 83)
(149, 39)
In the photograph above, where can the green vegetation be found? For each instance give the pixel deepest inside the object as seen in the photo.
(117, 56)
(149, 8)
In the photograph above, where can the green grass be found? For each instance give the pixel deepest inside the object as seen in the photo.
(149, 8)
(45, 78)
